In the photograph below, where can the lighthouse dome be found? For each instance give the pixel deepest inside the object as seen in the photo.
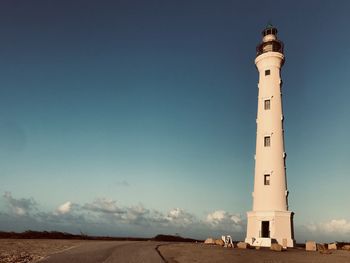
(270, 43)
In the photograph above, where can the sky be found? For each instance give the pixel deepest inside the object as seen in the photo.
(135, 118)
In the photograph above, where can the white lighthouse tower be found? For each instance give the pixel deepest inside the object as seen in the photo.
(270, 221)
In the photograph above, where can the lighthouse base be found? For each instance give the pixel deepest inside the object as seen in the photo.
(266, 227)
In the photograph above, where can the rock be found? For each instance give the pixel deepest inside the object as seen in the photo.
(219, 242)
(310, 246)
(276, 247)
(257, 248)
(242, 245)
(321, 247)
(15, 256)
(209, 241)
(332, 246)
(346, 247)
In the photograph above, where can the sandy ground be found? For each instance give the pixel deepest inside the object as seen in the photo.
(29, 250)
(19, 250)
(110, 252)
(182, 252)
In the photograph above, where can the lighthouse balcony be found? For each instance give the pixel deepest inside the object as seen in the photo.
(270, 46)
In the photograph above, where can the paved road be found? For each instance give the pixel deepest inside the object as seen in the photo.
(110, 251)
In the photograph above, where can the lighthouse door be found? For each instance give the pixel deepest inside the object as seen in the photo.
(265, 228)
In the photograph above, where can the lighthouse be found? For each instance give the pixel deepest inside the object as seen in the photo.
(270, 221)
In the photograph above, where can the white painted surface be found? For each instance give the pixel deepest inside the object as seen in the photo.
(270, 201)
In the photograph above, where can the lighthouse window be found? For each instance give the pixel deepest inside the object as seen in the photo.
(267, 72)
(266, 179)
(267, 141)
(267, 104)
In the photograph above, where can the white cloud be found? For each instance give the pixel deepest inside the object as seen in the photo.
(104, 205)
(19, 207)
(64, 208)
(175, 213)
(226, 221)
(19, 211)
(180, 217)
(221, 216)
(216, 217)
(338, 226)
(138, 215)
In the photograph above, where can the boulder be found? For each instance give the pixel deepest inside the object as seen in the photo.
(219, 242)
(321, 247)
(346, 247)
(332, 246)
(209, 241)
(242, 245)
(310, 246)
(276, 247)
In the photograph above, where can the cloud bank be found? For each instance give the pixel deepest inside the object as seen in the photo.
(104, 216)
(337, 229)
(19, 207)
(336, 226)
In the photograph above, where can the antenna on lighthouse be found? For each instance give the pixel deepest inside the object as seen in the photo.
(269, 24)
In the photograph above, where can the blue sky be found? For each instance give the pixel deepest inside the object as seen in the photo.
(124, 115)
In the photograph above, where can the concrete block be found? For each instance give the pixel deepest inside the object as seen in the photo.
(332, 246)
(310, 246)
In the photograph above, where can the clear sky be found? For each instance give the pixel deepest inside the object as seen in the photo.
(138, 117)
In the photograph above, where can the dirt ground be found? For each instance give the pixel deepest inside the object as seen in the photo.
(189, 252)
(32, 250)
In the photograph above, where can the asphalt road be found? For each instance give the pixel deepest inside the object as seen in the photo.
(108, 252)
